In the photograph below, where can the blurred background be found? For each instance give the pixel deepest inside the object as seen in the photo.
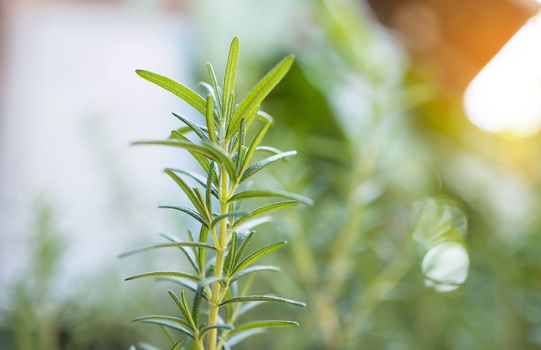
(417, 123)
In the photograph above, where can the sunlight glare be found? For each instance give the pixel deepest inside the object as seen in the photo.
(505, 97)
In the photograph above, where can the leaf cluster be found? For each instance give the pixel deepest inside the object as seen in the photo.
(228, 148)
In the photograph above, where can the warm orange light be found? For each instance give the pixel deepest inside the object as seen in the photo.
(506, 95)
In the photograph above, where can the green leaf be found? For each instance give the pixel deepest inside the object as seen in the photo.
(197, 178)
(270, 193)
(242, 248)
(268, 149)
(214, 82)
(167, 321)
(177, 345)
(163, 274)
(263, 324)
(192, 196)
(254, 168)
(209, 116)
(178, 89)
(203, 162)
(202, 252)
(265, 209)
(264, 298)
(180, 281)
(167, 245)
(184, 249)
(219, 218)
(256, 256)
(254, 269)
(253, 146)
(188, 315)
(249, 106)
(205, 329)
(209, 151)
(230, 75)
(188, 211)
(193, 126)
(230, 258)
(183, 308)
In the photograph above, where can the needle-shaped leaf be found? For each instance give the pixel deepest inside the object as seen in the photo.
(268, 149)
(177, 345)
(209, 117)
(219, 218)
(188, 211)
(270, 193)
(164, 274)
(230, 74)
(167, 321)
(249, 106)
(197, 178)
(244, 242)
(167, 245)
(257, 166)
(265, 209)
(214, 82)
(203, 162)
(193, 126)
(232, 252)
(263, 324)
(258, 254)
(178, 89)
(205, 329)
(207, 150)
(253, 269)
(196, 201)
(190, 285)
(264, 298)
(182, 307)
(253, 146)
(187, 251)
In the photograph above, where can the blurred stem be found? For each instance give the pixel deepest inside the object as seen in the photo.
(378, 289)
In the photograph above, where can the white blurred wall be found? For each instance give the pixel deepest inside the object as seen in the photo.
(70, 106)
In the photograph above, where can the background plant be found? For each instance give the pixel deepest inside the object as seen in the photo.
(227, 148)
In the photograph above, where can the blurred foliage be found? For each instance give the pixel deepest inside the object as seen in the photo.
(396, 171)
(40, 316)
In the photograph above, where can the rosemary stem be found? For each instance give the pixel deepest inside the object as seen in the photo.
(220, 257)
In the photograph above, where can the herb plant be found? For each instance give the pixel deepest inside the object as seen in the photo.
(228, 149)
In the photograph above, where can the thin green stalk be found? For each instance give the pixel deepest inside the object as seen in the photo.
(220, 258)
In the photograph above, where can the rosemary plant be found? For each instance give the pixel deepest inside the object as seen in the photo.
(228, 149)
